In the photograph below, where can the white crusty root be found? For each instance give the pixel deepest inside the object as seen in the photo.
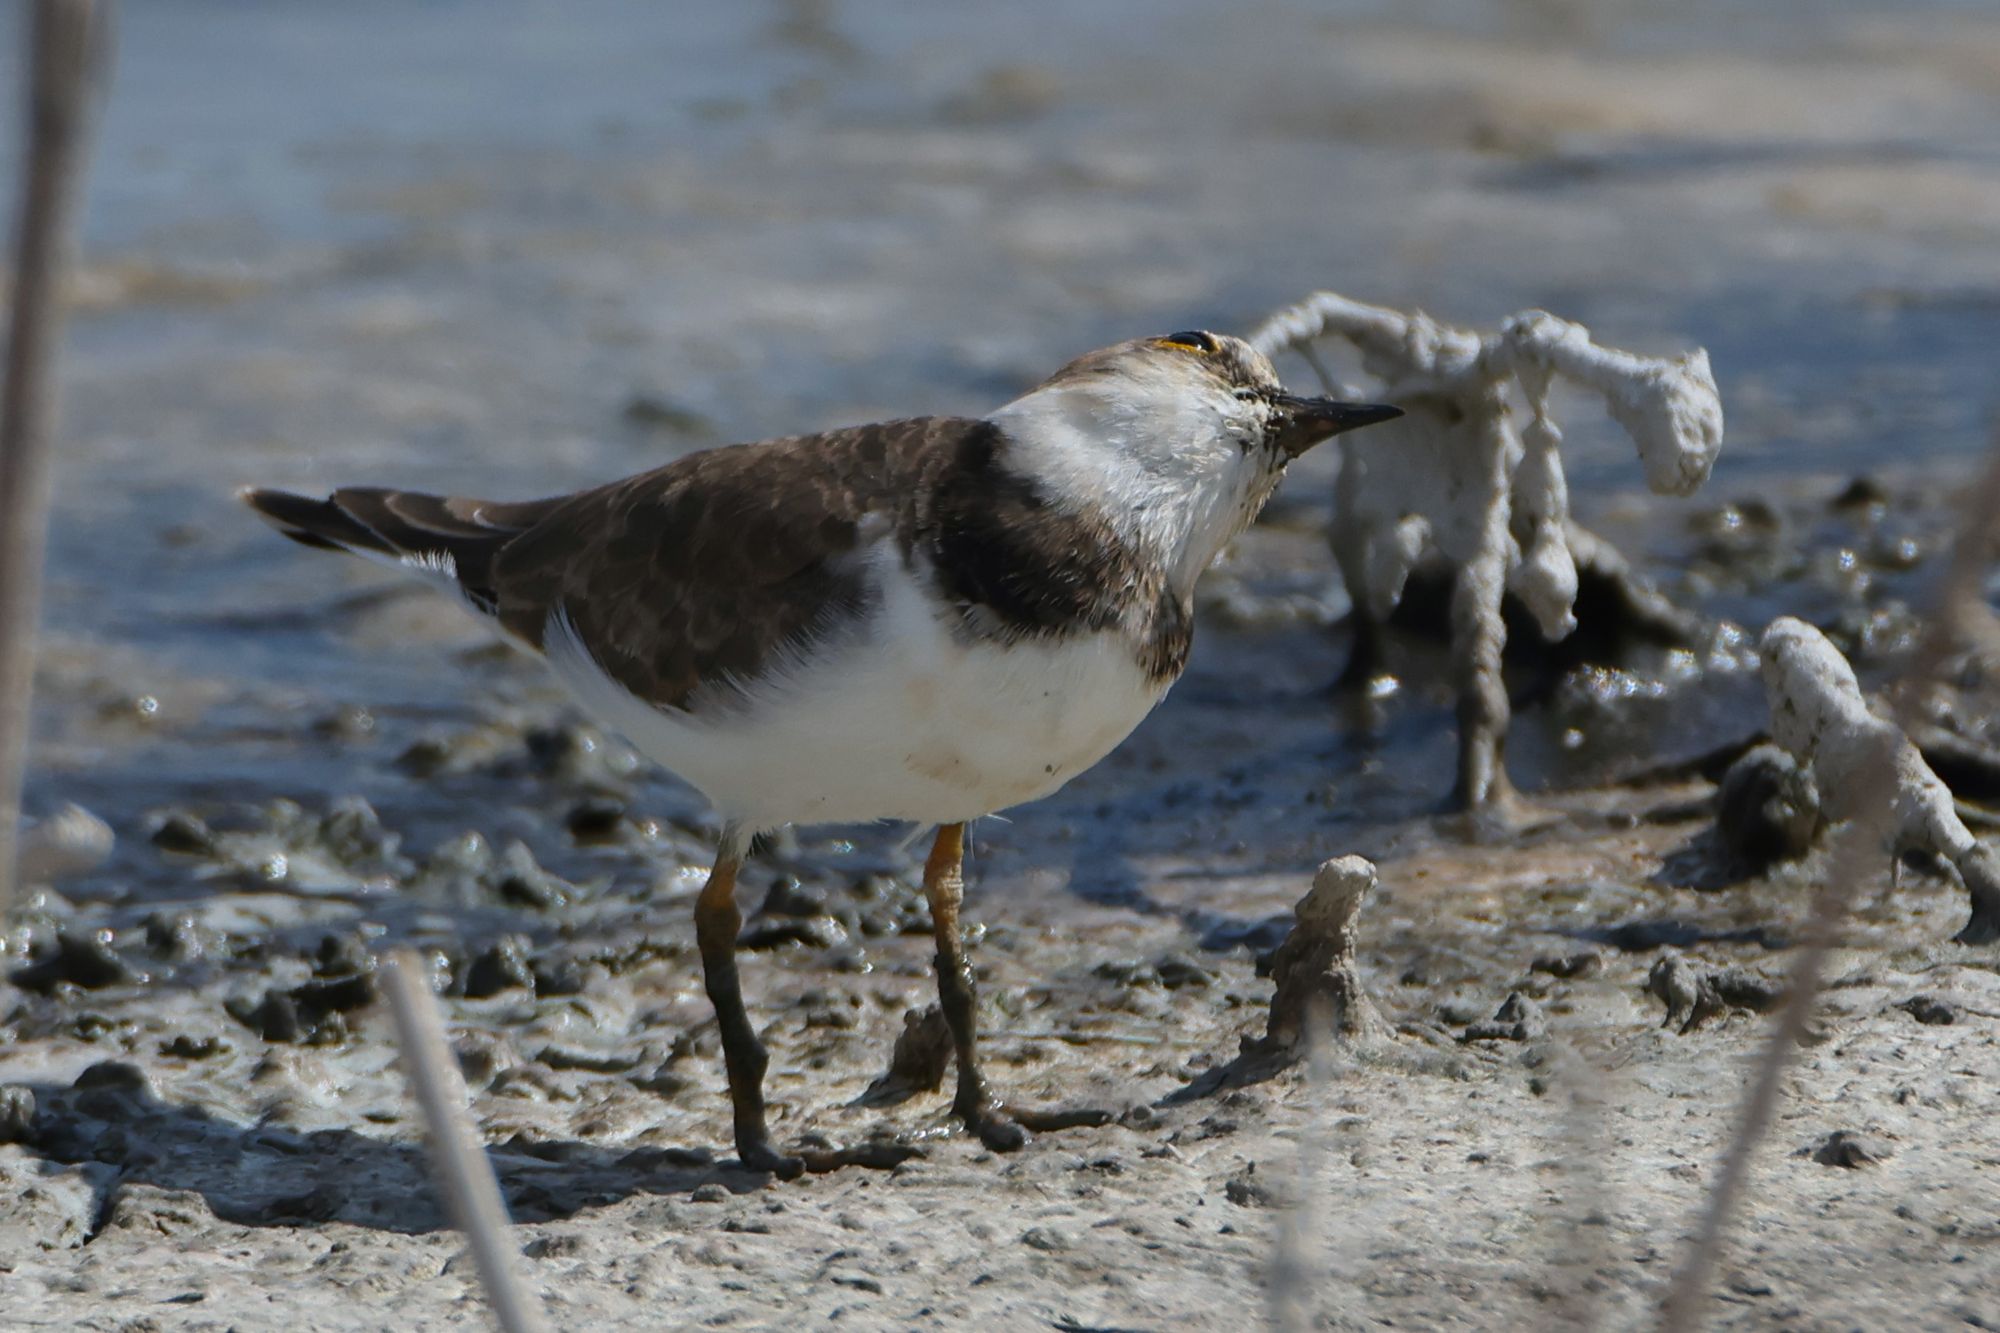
(1819, 714)
(1455, 475)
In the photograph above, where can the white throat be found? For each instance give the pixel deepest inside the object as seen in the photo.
(1172, 474)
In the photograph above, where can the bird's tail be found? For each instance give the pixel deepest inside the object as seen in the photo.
(450, 536)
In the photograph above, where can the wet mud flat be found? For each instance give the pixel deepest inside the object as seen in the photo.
(204, 1126)
(1533, 1137)
(708, 225)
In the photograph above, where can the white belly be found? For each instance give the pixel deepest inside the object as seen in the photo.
(905, 721)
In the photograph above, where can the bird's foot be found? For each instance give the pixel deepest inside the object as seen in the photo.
(1043, 1119)
(1005, 1127)
(881, 1156)
(759, 1155)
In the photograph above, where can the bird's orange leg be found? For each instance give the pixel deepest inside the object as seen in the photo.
(716, 924)
(1001, 1128)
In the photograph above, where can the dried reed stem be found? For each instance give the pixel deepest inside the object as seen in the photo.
(470, 1190)
(66, 43)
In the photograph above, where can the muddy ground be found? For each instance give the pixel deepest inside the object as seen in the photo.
(208, 1129)
(504, 249)
(179, 1170)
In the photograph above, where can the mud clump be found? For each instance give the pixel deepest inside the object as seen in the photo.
(466, 872)
(502, 966)
(519, 881)
(1857, 757)
(872, 907)
(1569, 966)
(342, 994)
(559, 976)
(1930, 1010)
(112, 1090)
(1251, 1190)
(1172, 971)
(79, 958)
(175, 937)
(312, 1013)
(596, 820)
(1851, 1149)
(185, 1047)
(17, 1114)
(775, 930)
(917, 1063)
(1318, 985)
(1693, 995)
(1768, 809)
(1517, 1019)
(183, 834)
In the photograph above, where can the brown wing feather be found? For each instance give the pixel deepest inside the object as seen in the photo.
(698, 573)
(374, 521)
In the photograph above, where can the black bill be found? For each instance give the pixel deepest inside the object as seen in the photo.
(1297, 424)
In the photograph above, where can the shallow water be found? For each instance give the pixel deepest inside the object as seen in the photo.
(449, 245)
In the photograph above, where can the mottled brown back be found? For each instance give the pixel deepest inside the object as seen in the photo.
(699, 573)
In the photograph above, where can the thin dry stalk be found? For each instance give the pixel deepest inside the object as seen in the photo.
(1585, 1238)
(1860, 847)
(1298, 1252)
(67, 40)
(471, 1192)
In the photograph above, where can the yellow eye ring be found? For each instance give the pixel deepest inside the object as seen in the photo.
(1191, 340)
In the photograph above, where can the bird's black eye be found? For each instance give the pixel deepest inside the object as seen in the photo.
(1247, 395)
(1194, 340)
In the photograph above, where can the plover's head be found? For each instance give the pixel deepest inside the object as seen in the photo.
(1186, 390)
(1180, 438)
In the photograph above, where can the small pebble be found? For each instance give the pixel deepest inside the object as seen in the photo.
(186, 1047)
(858, 1281)
(1851, 1149)
(1249, 1190)
(503, 966)
(274, 1017)
(17, 1114)
(174, 937)
(595, 819)
(80, 958)
(1587, 963)
(559, 976)
(1517, 1019)
(183, 834)
(1930, 1010)
(519, 880)
(1768, 809)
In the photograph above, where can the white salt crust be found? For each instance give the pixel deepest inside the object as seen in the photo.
(1454, 474)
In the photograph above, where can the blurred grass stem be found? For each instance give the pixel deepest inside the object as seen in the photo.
(470, 1189)
(66, 48)
(1961, 606)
